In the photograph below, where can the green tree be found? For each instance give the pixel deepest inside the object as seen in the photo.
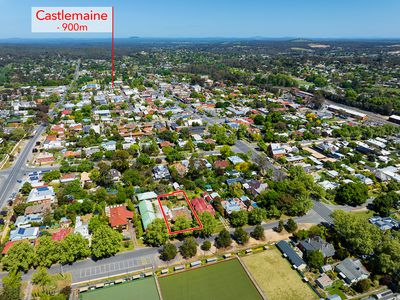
(256, 216)
(95, 222)
(241, 236)
(383, 204)
(225, 151)
(47, 252)
(156, 233)
(280, 226)
(291, 226)
(361, 236)
(20, 257)
(209, 224)
(223, 240)
(105, 241)
(352, 193)
(52, 175)
(41, 277)
(188, 248)
(168, 252)
(73, 247)
(258, 233)
(206, 246)
(143, 159)
(238, 218)
(182, 223)
(26, 188)
(131, 177)
(362, 286)
(387, 258)
(11, 286)
(315, 259)
(19, 209)
(17, 134)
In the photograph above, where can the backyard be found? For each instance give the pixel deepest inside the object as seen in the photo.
(224, 281)
(276, 278)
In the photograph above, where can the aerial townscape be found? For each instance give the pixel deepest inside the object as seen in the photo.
(231, 168)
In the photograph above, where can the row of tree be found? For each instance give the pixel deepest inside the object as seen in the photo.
(23, 255)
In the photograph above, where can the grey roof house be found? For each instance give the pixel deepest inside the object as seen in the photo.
(317, 244)
(352, 270)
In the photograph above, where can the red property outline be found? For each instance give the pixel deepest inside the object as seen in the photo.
(191, 208)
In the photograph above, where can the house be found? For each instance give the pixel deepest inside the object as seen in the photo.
(7, 247)
(118, 216)
(161, 172)
(67, 178)
(291, 255)
(150, 196)
(64, 222)
(386, 223)
(147, 212)
(255, 187)
(21, 233)
(201, 206)
(114, 175)
(81, 228)
(317, 244)
(109, 146)
(61, 234)
(182, 211)
(324, 281)
(42, 195)
(85, 178)
(38, 209)
(235, 160)
(276, 151)
(180, 168)
(232, 205)
(221, 164)
(351, 270)
(22, 221)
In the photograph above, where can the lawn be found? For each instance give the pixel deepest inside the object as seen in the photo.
(276, 278)
(335, 289)
(143, 289)
(223, 281)
(363, 214)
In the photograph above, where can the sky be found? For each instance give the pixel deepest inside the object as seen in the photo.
(223, 18)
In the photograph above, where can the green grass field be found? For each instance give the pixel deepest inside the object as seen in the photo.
(276, 278)
(143, 289)
(223, 281)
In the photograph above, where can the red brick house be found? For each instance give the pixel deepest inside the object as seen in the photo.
(200, 205)
(119, 216)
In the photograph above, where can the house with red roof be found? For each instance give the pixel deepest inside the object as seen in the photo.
(66, 112)
(200, 205)
(7, 246)
(221, 164)
(118, 216)
(61, 234)
(69, 153)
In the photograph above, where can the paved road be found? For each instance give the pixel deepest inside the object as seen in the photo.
(9, 177)
(260, 158)
(324, 211)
